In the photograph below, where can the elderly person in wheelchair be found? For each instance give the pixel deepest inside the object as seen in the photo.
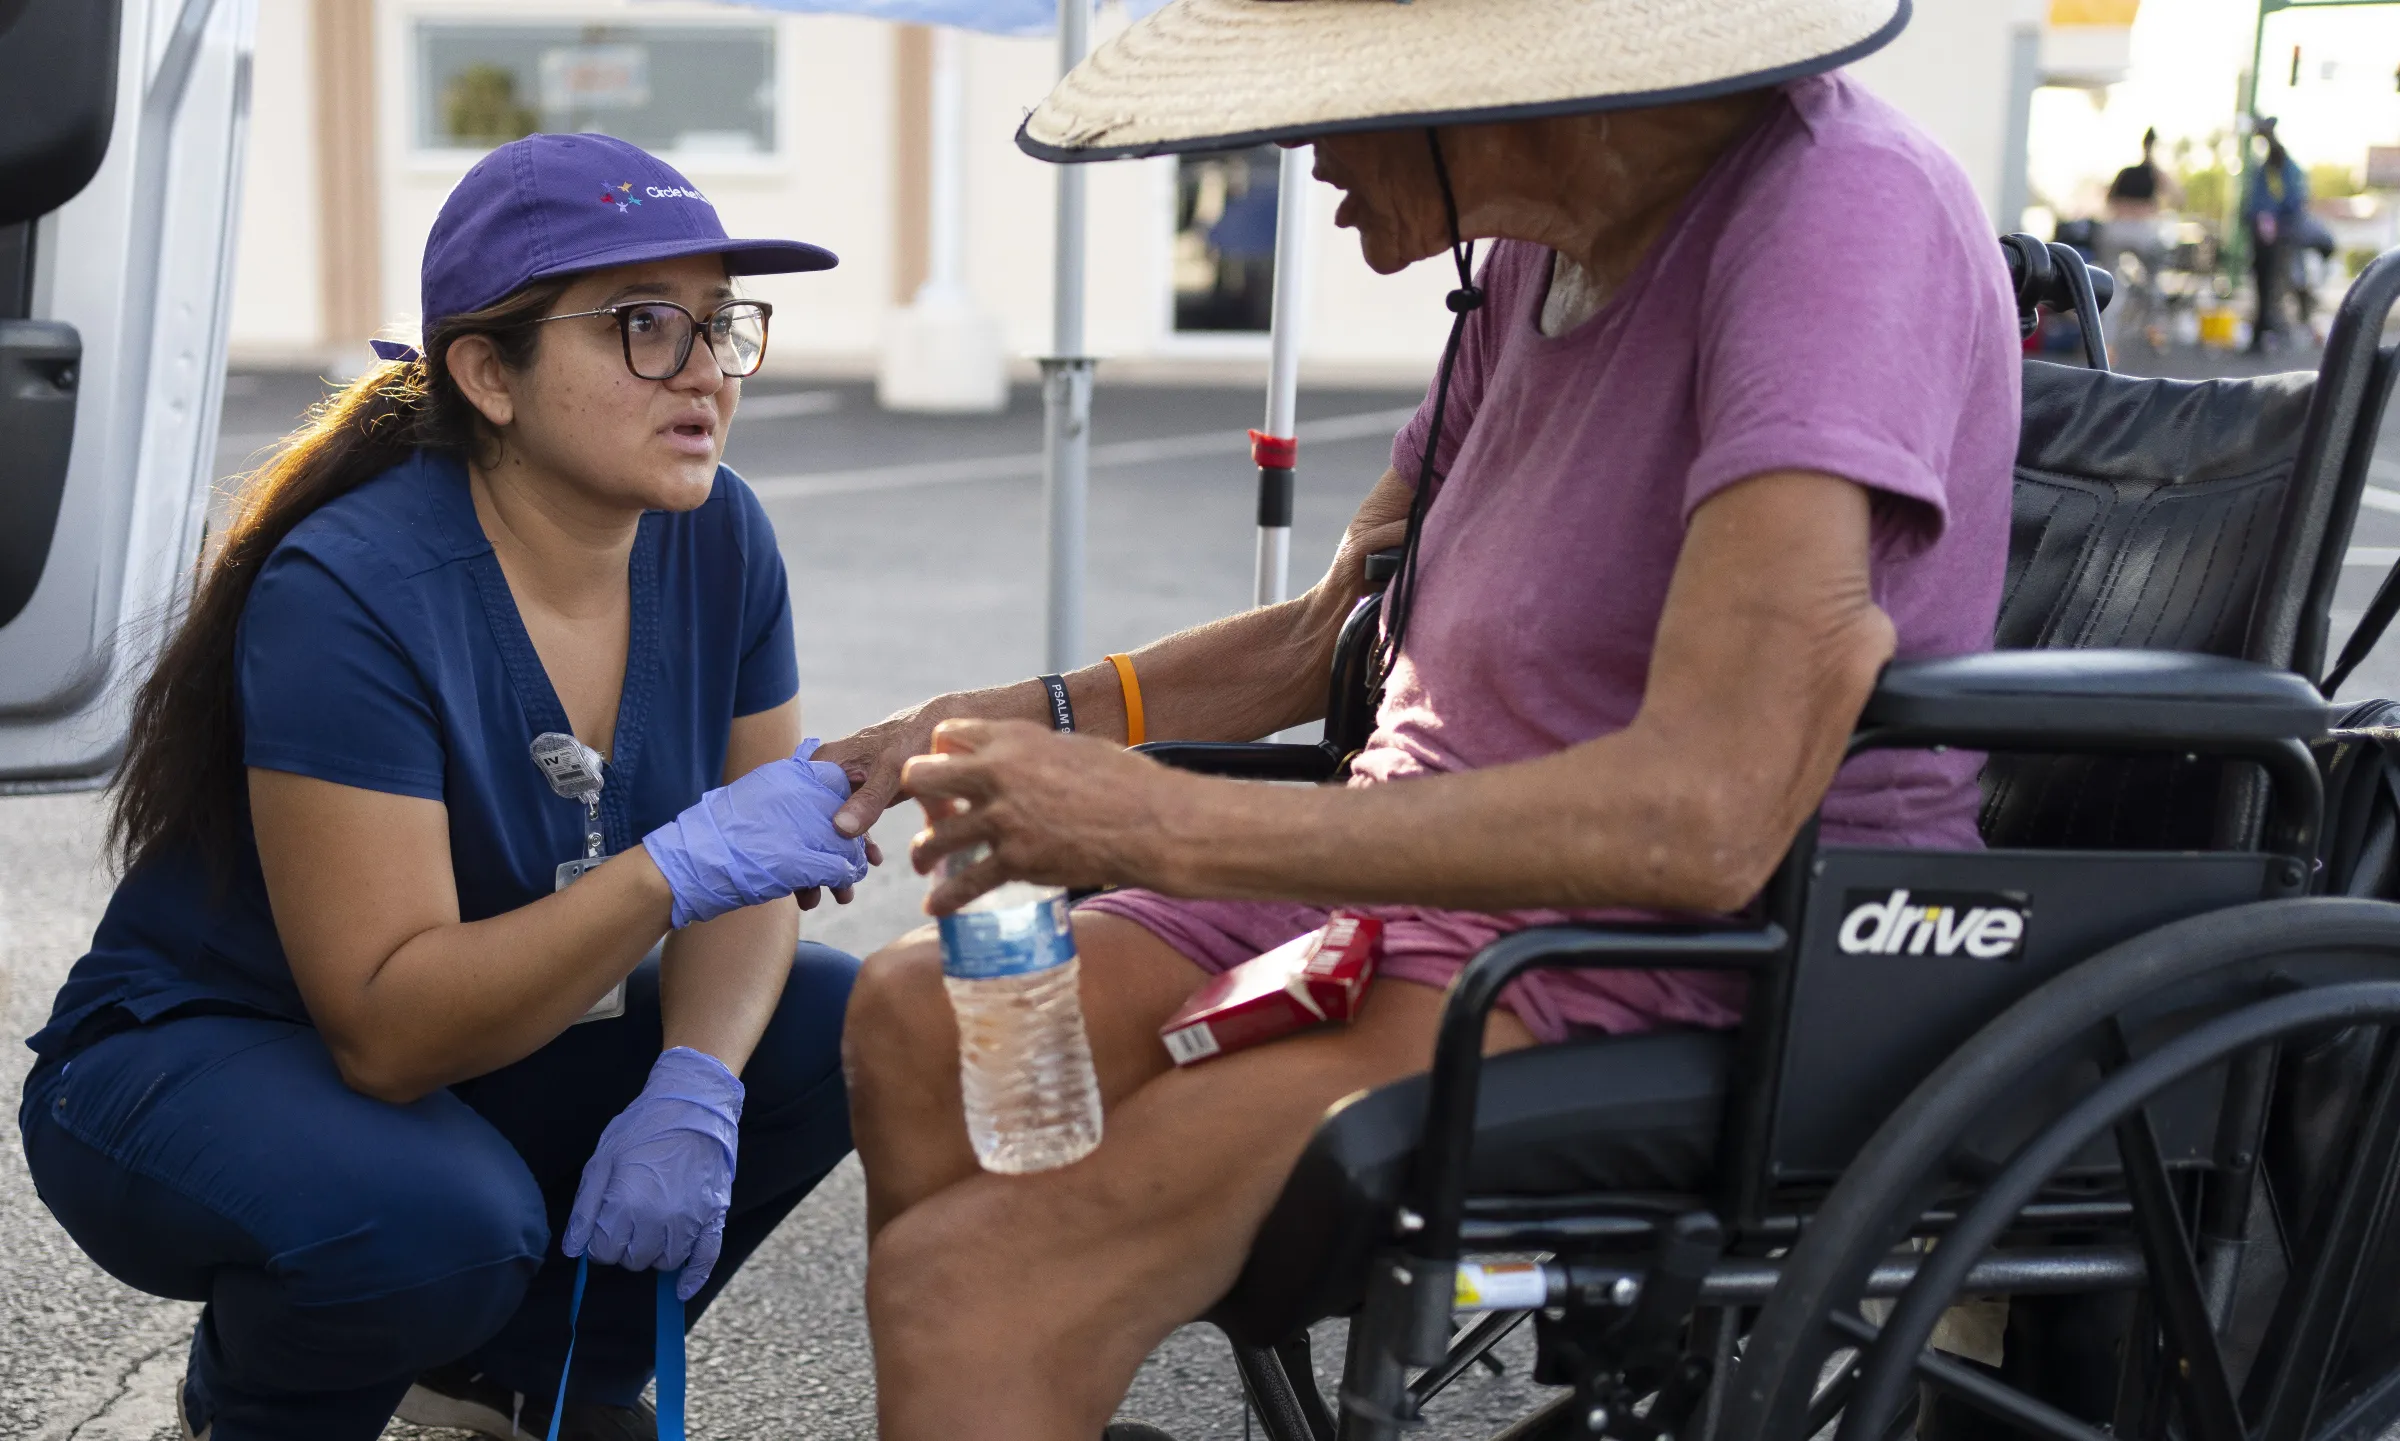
(1702, 458)
(1696, 466)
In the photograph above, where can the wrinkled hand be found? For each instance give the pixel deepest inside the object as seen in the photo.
(872, 759)
(654, 1194)
(1062, 810)
(766, 835)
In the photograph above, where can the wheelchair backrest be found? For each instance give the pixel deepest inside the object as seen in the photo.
(2182, 515)
(2146, 513)
(2145, 509)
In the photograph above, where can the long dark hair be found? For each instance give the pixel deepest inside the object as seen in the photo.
(182, 781)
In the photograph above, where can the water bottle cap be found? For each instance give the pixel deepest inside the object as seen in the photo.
(958, 861)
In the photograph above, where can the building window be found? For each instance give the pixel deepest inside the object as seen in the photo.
(1225, 241)
(684, 91)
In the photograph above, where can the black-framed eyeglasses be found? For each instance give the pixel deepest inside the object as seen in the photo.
(658, 335)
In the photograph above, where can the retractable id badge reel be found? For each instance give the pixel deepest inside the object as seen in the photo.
(573, 770)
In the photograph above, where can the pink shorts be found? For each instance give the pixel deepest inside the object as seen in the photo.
(1430, 946)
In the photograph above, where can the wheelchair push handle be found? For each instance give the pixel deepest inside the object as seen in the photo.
(2054, 275)
(2042, 274)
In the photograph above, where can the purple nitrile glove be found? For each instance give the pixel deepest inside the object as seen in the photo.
(767, 835)
(654, 1194)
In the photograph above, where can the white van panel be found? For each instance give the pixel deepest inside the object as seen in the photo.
(141, 265)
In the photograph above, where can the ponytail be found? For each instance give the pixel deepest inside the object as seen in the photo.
(182, 781)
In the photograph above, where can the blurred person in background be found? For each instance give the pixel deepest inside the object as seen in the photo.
(323, 1069)
(2143, 189)
(2135, 242)
(2274, 215)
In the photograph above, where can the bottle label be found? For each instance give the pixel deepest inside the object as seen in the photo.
(983, 945)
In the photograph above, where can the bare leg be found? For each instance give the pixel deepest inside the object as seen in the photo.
(1010, 1307)
(900, 1050)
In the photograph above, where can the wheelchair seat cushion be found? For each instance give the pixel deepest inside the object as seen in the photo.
(1612, 1113)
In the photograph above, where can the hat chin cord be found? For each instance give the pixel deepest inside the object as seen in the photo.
(1401, 597)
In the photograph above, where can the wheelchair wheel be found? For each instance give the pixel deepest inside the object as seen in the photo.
(2259, 1315)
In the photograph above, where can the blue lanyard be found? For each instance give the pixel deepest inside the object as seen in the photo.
(669, 1362)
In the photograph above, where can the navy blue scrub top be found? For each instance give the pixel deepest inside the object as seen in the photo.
(380, 648)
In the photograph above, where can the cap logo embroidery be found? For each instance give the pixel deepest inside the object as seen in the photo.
(622, 197)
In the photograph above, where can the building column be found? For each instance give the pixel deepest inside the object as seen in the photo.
(941, 353)
(349, 181)
(912, 158)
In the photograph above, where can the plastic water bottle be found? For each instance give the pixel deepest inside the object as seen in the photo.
(1024, 1062)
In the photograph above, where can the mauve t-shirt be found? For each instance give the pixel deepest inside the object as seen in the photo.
(1828, 298)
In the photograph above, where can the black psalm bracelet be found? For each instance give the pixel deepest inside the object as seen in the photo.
(1062, 710)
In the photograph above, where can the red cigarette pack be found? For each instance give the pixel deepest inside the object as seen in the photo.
(1307, 981)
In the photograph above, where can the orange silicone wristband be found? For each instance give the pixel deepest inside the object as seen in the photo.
(1132, 687)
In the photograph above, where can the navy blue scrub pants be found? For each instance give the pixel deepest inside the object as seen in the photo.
(343, 1244)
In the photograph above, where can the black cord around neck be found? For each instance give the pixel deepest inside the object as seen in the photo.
(1400, 598)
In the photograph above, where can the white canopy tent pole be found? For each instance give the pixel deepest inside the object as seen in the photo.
(1275, 448)
(1067, 388)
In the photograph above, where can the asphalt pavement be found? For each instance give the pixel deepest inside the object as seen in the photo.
(915, 548)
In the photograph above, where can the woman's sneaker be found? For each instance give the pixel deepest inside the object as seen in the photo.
(464, 1399)
(591, 1421)
(191, 1411)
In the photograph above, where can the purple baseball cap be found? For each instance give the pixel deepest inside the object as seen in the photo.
(560, 204)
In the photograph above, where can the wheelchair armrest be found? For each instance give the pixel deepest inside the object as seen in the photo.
(1257, 761)
(2111, 700)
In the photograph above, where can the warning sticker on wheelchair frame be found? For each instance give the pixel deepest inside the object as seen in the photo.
(1987, 925)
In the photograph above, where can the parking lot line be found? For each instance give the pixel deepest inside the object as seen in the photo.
(1029, 464)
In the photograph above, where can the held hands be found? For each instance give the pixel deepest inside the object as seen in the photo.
(1064, 810)
(871, 760)
(874, 758)
(654, 1194)
(767, 835)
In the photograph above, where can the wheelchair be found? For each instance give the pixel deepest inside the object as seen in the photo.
(2132, 1072)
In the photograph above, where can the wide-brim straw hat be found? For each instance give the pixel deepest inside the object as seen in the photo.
(1219, 74)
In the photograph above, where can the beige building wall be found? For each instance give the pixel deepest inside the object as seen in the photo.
(1012, 202)
(278, 306)
(836, 179)
(1949, 72)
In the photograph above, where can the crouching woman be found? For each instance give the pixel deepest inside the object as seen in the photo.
(378, 1032)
